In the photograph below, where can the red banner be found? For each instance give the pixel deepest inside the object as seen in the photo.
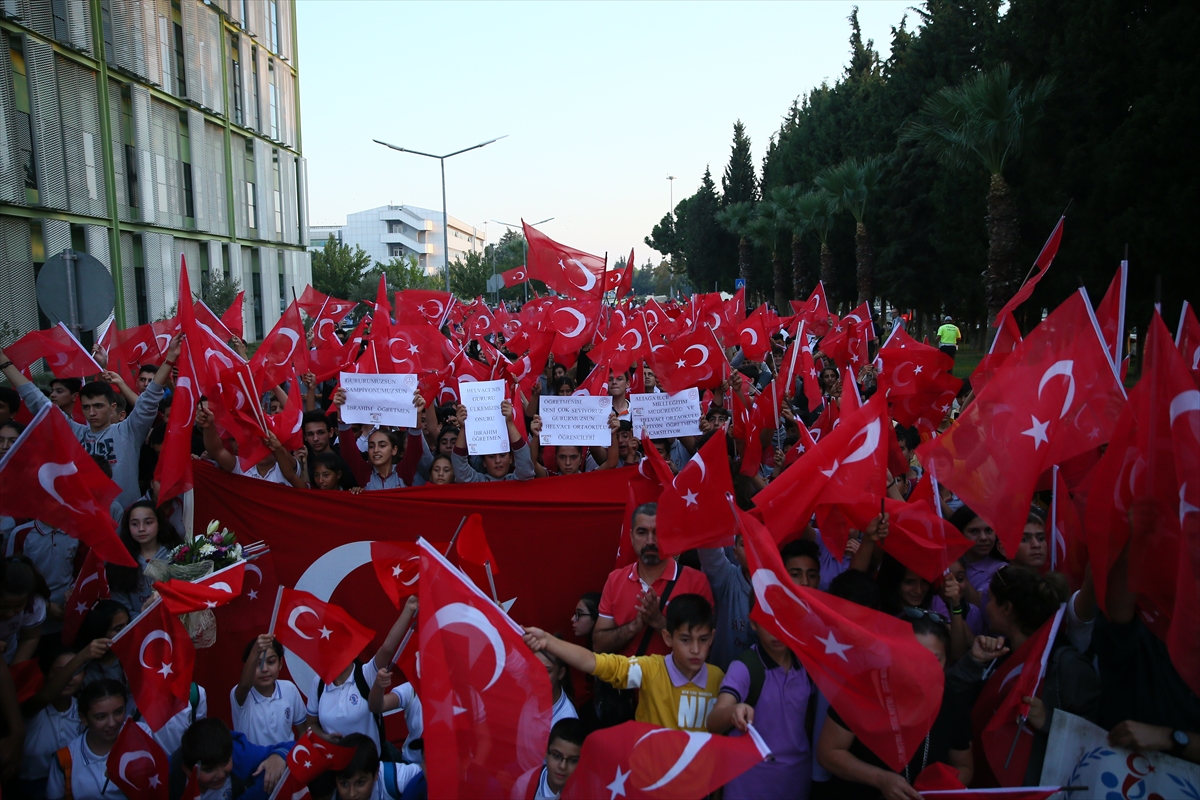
(556, 537)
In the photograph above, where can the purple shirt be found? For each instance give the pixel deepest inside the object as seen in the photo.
(979, 574)
(974, 619)
(831, 565)
(779, 717)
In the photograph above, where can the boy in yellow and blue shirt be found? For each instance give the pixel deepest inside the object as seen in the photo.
(678, 690)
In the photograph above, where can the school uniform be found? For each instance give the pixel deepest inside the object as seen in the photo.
(563, 709)
(32, 616)
(396, 781)
(266, 720)
(88, 774)
(413, 749)
(48, 731)
(343, 709)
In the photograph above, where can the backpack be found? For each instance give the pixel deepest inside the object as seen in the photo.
(387, 750)
(63, 754)
(758, 675)
(415, 789)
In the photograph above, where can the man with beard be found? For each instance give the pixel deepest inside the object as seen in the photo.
(634, 602)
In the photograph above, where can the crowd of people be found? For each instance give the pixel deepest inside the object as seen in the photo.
(668, 639)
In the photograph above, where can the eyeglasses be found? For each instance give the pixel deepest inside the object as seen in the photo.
(580, 614)
(914, 613)
(554, 755)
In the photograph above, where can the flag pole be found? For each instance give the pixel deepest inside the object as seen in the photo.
(454, 538)
(275, 611)
(487, 565)
(1020, 726)
(403, 644)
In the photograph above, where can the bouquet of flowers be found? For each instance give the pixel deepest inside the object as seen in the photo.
(197, 557)
(216, 545)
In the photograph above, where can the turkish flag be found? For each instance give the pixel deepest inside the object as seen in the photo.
(398, 567)
(236, 408)
(1058, 391)
(209, 321)
(910, 367)
(233, 318)
(639, 760)
(192, 790)
(64, 355)
(877, 676)
(251, 609)
(528, 368)
(130, 349)
(1068, 549)
(174, 468)
(1110, 314)
(564, 269)
(313, 755)
(940, 781)
(486, 697)
(920, 539)
(596, 382)
(692, 509)
(626, 286)
(514, 277)
(137, 764)
(754, 335)
(482, 323)
(1106, 498)
(1042, 263)
(27, 678)
(693, 359)
(327, 645)
(287, 424)
(318, 305)
(284, 350)
(847, 345)
(472, 544)
(157, 657)
(408, 660)
(848, 466)
(815, 310)
(574, 325)
(645, 486)
(217, 589)
(1003, 345)
(47, 476)
(1187, 339)
(90, 587)
(1001, 703)
(626, 344)
(416, 305)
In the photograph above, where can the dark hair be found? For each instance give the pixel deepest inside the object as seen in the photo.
(1034, 598)
(315, 415)
(560, 382)
(857, 587)
(165, 403)
(962, 517)
(366, 756)
(909, 437)
(332, 461)
(891, 575)
(18, 576)
(158, 433)
(149, 368)
(10, 398)
(96, 623)
(275, 645)
(206, 742)
(72, 385)
(1037, 516)
(51, 649)
(125, 579)
(644, 510)
(393, 439)
(96, 691)
(120, 401)
(451, 429)
(591, 600)
(12, 423)
(800, 548)
(927, 625)
(103, 464)
(715, 410)
(570, 730)
(691, 610)
(98, 389)
(441, 457)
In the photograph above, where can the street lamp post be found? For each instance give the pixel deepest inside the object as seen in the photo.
(671, 178)
(445, 214)
(524, 247)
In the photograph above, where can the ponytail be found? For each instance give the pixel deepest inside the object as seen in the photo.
(1034, 598)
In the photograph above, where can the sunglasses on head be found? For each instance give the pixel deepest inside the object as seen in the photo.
(916, 613)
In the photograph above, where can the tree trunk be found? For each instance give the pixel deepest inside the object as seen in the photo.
(866, 264)
(826, 267)
(799, 279)
(1003, 274)
(781, 280)
(744, 252)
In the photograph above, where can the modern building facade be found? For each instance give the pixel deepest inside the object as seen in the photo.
(390, 231)
(143, 131)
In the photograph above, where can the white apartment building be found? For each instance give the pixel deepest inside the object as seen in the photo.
(389, 231)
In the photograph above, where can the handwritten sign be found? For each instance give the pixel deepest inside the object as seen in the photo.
(487, 430)
(379, 399)
(664, 416)
(581, 420)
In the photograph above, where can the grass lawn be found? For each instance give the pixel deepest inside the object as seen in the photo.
(966, 361)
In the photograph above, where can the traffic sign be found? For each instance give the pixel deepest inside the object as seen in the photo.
(739, 283)
(76, 289)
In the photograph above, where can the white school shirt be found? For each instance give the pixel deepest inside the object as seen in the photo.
(543, 790)
(171, 734)
(222, 792)
(342, 709)
(268, 720)
(410, 704)
(404, 774)
(31, 616)
(274, 474)
(88, 779)
(563, 709)
(49, 730)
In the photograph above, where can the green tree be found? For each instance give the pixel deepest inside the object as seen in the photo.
(985, 121)
(851, 185)
(468, 276)
(769, 223)
(736, 220)
(739, 183)
(803, 212)
(219, 292)
(337, 270)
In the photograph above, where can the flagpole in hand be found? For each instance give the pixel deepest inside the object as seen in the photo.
(262, 658)
(1021, 720)
(487, 565)
(454, 538)
(403, 644)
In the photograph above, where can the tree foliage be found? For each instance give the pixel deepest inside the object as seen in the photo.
(337, 270)
(219, 292)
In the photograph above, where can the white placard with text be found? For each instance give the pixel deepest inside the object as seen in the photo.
(580, 420)
(379, 399)
(664, 416)
(487, 430)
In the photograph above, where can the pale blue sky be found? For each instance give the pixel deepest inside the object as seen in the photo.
(601, 101)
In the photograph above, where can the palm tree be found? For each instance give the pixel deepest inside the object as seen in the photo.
(983, 121)
(851, 184)
(804, 212)
(735, 218)
(769, 221)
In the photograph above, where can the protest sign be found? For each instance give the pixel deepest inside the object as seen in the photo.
(1078, 754)
(581, 420)
(487, 430)
(379, 399)
(666, 415)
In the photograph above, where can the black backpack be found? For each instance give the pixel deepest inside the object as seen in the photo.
(387, 750)
(758, 675)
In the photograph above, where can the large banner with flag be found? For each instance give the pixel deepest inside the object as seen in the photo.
(554, 538)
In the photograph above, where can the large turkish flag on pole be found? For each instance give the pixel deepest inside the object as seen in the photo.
(157, 656)
(485, 696)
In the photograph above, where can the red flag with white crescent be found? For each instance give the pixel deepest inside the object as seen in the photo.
(157, 657)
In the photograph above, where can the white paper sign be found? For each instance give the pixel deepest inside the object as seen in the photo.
(379, 399)
(663, 416)
(487, 430)
(580, 420)
(1078, 754)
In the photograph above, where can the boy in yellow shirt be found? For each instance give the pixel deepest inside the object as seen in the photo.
(677, 690)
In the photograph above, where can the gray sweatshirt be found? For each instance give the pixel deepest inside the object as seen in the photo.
(522, 466)
(119, 444)
(731, 600)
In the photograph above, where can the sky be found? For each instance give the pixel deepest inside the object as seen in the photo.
(600, 102)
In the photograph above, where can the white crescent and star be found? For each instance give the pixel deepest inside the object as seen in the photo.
(581, 322)
(129, 758)
(51, 471)
(695, 743)
(1063, 368)
(463, 614)
(703, 350)
(294, 618)
(155, 635)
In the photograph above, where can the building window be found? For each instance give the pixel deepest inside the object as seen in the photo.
(254, 77)
(276, 178)
(160, 182)
(62, 31)
(282, 284)
(395, 250)
(395, 226)
(89, 164)
(274, 99)
(185, 157)
(24, 122)
(180, 80)
(273, 7)
(251, 208)
(235, 70)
